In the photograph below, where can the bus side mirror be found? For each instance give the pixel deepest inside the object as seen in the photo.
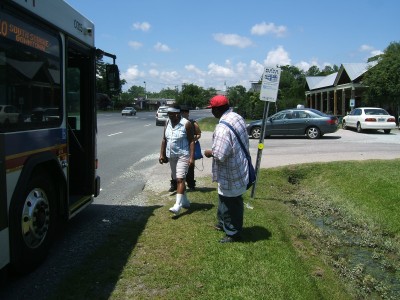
(113, 81)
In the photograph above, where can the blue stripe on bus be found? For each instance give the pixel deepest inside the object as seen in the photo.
(20, 142)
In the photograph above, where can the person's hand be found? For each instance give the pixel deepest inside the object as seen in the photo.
(191, 162)
(208, 153)
(163, 160)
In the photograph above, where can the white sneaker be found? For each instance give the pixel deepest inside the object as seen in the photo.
(175, 209)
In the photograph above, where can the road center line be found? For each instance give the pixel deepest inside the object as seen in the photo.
(115, 133)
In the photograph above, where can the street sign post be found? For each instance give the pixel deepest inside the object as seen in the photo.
(270, 84)
(268, 93)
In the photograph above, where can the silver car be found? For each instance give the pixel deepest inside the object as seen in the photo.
(161, 115)
(128, 111)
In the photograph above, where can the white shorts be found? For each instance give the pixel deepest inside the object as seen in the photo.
(179, 166)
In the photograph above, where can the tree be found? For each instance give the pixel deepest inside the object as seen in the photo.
(291, 87)
(236, 95)
(329, 70)
(383, 80)
(313, 71)
(191, 95)
(136, 91)
(168, 93)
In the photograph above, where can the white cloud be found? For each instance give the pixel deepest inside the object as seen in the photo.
(154, 73)
(279, 56)
(161, 47)
(132, 74)
(219, 71)
(169, 77)
(303, 65)
(256, 68)
(376, 52)
(370, 49)
(366, 48)
(135, 45)
(233, 40)
(241, 67)
(194, 69)
(270, 28)
(144, 26)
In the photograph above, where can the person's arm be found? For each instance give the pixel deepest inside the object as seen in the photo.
(163, 150)
(197, 131)
(190, 138)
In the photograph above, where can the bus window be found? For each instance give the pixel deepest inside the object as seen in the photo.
(30, 77)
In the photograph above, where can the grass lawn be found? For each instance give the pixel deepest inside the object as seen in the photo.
(316, 231)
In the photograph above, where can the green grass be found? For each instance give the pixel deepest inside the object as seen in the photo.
(287, 252)
(208, 124)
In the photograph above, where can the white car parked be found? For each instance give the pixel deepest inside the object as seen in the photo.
(9, 114)
(365, 118)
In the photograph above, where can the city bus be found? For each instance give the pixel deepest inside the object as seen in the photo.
(48, 156)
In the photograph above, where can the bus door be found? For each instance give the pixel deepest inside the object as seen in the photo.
(81, 123)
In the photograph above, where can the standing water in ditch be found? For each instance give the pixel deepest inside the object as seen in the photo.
(363, 255)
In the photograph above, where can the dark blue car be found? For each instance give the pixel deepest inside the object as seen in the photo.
(305, 121)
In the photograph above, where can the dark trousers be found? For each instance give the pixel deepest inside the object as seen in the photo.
(190, 177)
(230, 214)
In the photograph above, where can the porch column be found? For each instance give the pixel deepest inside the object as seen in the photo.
(335, 103)
(343, 102)
(322, 102)
(328, 102)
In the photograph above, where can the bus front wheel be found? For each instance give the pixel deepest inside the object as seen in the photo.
(32, 223)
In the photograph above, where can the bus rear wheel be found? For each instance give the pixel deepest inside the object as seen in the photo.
(33, 222)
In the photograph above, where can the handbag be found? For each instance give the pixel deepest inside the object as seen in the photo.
(197, 151)
(252, 172)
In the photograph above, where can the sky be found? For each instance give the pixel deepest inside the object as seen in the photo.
(163, 44)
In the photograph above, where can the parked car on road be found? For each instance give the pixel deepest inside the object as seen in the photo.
(9, 114)
(161, 115)
(128, 111)
(305, 121)
(365, 118)
(45, 114)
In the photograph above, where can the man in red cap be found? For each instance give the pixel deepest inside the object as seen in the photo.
(229, 167)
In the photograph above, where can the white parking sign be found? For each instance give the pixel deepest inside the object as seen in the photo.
(270, 84)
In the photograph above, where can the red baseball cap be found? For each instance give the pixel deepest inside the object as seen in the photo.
(218, 100)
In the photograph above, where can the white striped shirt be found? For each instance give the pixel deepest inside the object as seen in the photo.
(230, 168)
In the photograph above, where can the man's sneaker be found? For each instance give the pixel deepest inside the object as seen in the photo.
(192, 187)
(229, 239)
(175, 209)
(218, 227)
(172, 189)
